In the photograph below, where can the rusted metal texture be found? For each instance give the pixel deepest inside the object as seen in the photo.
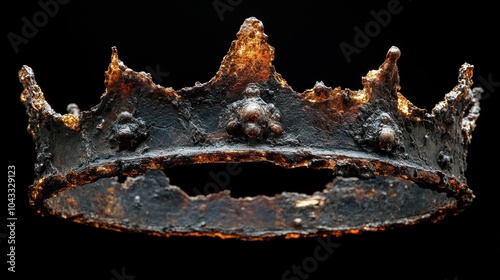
(391, 162)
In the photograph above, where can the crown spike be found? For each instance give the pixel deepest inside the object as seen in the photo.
(113, 76)
(390, 69)
(383, 83)
(32, 95)
(249, 60)
(461, 103)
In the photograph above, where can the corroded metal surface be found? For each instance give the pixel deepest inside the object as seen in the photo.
(148, 203)
(393, 162)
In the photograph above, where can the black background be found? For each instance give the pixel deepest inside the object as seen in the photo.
(70, 52)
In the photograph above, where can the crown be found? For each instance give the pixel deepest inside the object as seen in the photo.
(391, 163)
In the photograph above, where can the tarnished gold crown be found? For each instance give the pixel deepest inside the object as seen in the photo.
(391, 162)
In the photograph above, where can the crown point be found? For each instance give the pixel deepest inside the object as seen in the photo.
(115, 69)
(32, 95)
(114, 56)
(26, 75)
(384, 82)
(394, 53)
(249, 60)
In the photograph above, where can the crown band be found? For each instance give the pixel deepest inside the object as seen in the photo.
(394, 164)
